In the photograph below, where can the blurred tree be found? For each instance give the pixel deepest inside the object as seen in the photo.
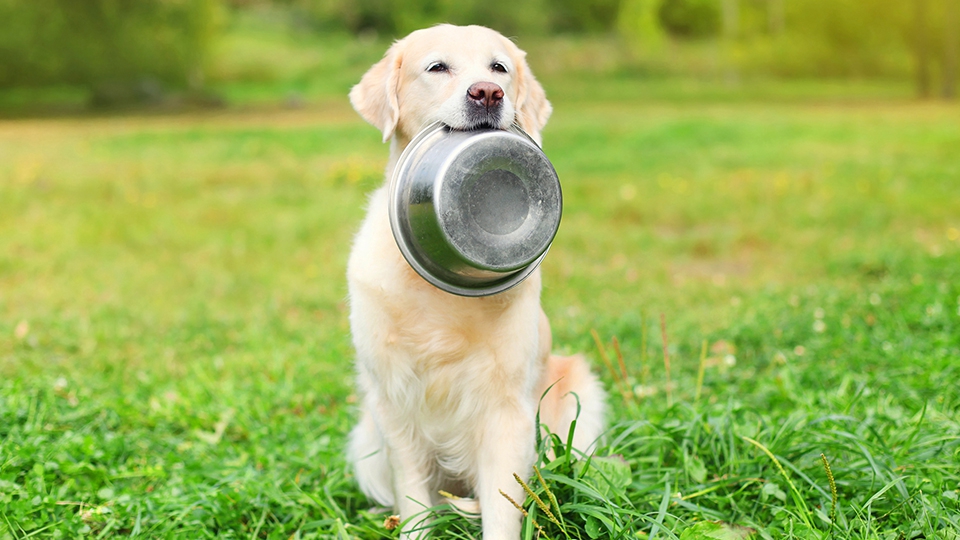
(731, 18)
(581, 16)
(775, 16)
(922, 47)
(510, 17)
(397, 18)
(639, 22)
(690, 18)
(933, 36)
(100, 43)
(825, 37)
(808, 38)
(141, 46)
(951, 48)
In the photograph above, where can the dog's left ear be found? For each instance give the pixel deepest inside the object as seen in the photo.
(375, 97)
(533, 109)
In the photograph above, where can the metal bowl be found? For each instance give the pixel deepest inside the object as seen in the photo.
(474, 212)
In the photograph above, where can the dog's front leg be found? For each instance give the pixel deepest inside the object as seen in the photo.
(411, 486)
(507, 448)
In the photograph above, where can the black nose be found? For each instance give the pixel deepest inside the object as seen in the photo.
(487, 94)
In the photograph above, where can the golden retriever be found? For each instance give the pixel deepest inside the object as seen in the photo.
(450, 385)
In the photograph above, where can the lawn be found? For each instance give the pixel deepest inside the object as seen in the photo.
(175, 359)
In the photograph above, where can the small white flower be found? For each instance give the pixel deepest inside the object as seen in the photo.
(644, 391)
(874, 299)
(799, 350)
(819, 326)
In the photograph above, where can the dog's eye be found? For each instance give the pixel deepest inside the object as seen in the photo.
(438, 67)
(498, 67)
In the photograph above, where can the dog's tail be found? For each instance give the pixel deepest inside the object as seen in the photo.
(571, 375)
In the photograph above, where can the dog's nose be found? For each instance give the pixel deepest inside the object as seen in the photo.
(487, 94)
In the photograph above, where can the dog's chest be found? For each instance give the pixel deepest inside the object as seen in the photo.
(453, 403)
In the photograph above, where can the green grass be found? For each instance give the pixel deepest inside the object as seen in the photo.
(175, 357)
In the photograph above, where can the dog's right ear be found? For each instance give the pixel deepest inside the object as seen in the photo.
(533, 109)
(376, 96)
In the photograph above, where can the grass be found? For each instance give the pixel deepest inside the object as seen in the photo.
(175, 357)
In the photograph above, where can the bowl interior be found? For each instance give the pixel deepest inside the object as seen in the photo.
(498, 201)
(474, 212)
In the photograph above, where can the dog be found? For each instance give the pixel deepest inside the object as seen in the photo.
(450, 386)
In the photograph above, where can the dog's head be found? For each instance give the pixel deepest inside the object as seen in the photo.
(464, 76)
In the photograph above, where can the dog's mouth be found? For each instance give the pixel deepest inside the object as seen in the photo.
(483, 122)
(484, 118)
(483, 125)
(476, 126)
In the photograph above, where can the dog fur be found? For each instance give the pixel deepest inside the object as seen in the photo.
(450, 385)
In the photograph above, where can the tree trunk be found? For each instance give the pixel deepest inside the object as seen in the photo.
(951, 47)
(731, 18)
(921, 48)
(775, 16)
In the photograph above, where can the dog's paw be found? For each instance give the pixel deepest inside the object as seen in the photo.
(464, 506)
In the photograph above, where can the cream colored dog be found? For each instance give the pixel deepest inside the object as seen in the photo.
(450, 385)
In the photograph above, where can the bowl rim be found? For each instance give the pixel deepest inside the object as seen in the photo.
(403, 237)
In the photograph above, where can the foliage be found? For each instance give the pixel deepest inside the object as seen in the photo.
(639, 24)
(832, 38)
(579, 16)
(691, 18)
(392, 18)
(134, 50)
(99, 42)
(806, 38)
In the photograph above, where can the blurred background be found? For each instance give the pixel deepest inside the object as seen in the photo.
(67, 55)
(764, 192)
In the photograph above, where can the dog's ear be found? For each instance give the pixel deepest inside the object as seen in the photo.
(533, 109)
(375, 97)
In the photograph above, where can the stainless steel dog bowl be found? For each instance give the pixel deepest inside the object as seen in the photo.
(474, 212)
